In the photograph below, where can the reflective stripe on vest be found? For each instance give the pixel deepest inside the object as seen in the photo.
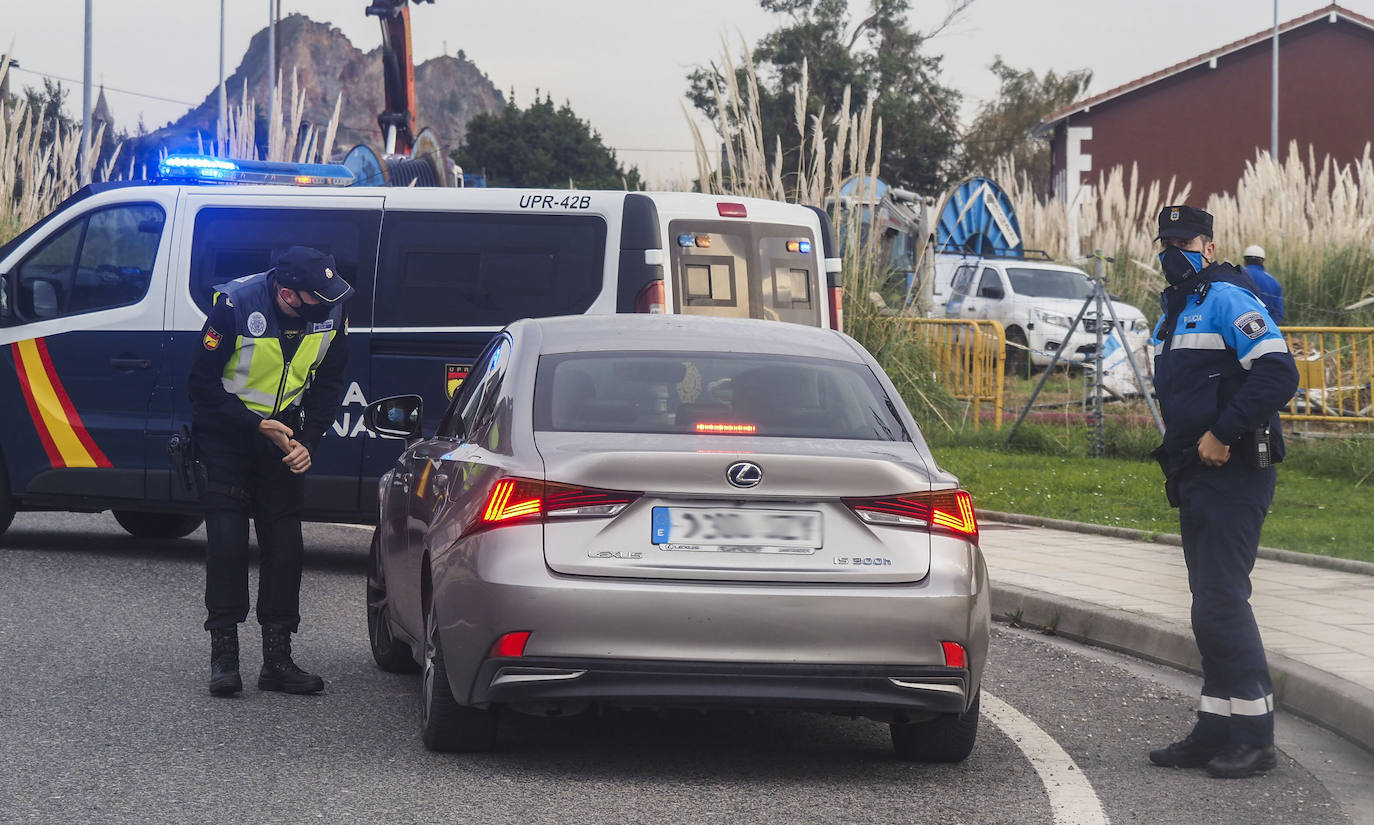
(254, 371)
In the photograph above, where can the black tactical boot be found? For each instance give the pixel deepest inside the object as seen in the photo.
(1187, 753)
(1238, 761)
(278, 671)
(224, 662)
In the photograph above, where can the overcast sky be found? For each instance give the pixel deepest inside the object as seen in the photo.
(620, 63)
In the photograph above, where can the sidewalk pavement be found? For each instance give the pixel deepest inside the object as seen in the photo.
(1127, 593)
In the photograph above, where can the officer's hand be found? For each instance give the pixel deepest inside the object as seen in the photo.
(297, 458)
(1212, 452)
(277, 432)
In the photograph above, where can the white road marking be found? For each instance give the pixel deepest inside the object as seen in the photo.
(1072, 799)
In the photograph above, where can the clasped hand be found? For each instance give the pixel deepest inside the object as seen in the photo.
(297, 457)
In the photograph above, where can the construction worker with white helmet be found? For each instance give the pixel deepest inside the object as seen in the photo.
(1270, 291)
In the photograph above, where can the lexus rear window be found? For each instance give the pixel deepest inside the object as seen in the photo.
(451, 269)
(712, 394)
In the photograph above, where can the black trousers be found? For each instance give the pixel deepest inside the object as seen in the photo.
(245, 477)
(1221, 510)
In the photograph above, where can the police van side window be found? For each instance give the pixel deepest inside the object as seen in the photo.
(451, 269)
(101, 261)
(231, 242)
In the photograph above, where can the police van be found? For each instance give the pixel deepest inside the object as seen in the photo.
(102, 303)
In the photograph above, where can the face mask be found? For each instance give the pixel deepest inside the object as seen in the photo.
(313, 313)
(1180, 265)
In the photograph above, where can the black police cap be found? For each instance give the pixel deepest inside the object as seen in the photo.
(310, 270)
(1184, 223)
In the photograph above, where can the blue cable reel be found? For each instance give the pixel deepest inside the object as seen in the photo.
(977, 218)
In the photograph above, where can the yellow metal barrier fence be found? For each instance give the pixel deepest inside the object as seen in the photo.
(1335, 372)
(970, 355)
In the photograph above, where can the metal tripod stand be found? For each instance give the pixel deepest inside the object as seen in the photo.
(1098, 300)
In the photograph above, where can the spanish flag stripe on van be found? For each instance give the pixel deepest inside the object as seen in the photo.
(67, 442)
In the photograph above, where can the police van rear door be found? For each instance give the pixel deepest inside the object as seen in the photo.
(237, 230)
(458, 265)
(744, 258)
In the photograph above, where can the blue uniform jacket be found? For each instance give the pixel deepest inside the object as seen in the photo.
(1220, 363)
(1269, 291)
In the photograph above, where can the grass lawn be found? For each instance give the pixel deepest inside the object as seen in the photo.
(1311, 513)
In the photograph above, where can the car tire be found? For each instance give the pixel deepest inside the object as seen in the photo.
(1018, 354)
(390, 654)
(947, 738)
(157, 525)
(445, 725)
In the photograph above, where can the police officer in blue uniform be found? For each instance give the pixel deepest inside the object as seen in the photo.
(264, 386)
(1270, 291)
(1222, 372)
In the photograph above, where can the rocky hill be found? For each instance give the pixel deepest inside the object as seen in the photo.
(449, 90)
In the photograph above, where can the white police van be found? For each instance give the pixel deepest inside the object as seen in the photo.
(102, 302)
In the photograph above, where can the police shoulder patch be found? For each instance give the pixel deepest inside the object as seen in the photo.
(1252, 324)
(211, 339)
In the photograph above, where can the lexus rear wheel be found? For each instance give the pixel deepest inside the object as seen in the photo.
(445, 725)
(157, 525)
(947, 738)
(390, 653)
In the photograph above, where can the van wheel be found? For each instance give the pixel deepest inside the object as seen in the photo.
(8, 506)
(157, 525)
(947, 738)
(1018, 353)
(390, 653)
(445, 725)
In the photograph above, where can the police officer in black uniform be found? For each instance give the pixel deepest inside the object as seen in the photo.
(264, 386)
(1222, 372)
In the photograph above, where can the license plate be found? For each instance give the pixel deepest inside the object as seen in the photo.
(725, 529)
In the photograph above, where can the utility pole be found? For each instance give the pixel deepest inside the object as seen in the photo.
(222, 131)
(1274, 93)
(272, 51)
(83, 162)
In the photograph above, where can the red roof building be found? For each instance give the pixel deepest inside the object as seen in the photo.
(1199, 121)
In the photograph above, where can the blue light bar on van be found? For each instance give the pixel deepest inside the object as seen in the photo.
(210, 169)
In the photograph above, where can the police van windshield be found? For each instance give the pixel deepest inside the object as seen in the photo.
(1049, 283)
(737, 270)
(712, 394)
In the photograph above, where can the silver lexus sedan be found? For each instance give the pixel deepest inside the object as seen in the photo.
(674, 511)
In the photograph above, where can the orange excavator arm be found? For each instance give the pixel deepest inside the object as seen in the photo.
(397, 120)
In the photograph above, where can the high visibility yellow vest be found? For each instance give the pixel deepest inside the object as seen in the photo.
(257, 371)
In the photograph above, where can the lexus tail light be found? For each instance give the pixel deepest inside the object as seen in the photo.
(942, 511)
(523, 500)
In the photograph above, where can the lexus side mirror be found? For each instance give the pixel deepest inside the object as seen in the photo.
(395, 417)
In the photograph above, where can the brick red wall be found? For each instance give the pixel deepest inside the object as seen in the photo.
(1202, 125)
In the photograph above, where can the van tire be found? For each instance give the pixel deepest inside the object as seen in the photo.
(1018, 354)
(157, 525)
(8, 506)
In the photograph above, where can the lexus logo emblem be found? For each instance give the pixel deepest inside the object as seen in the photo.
(744, 474)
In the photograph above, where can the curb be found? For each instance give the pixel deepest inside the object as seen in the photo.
(1271, 553)
(1341, 706)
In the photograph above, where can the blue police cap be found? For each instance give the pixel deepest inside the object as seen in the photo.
(304, 268)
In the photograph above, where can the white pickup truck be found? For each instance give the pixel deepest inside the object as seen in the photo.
(1035, 301)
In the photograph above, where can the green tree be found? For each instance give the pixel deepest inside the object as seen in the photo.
(1002, 128)
(47, 105)
(542, 147)
(879, 58)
